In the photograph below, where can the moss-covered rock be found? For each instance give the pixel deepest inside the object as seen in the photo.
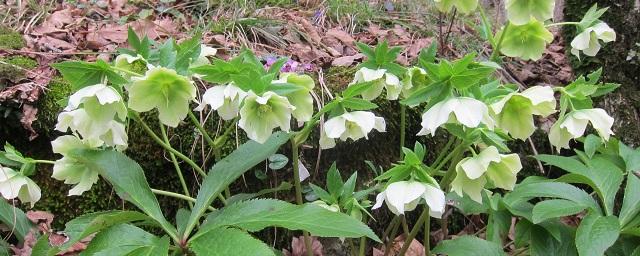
(51, 103)
(619, 63)
(10, 39)
(13, 69)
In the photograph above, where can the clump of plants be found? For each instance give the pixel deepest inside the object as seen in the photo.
(475, 169)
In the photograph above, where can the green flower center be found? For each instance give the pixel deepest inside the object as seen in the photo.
(263, 109)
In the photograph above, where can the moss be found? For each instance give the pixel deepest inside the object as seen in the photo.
(10, 39)
(50, 104)
(13, 68)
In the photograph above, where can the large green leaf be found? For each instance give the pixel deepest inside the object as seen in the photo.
(555, 208)
(229, 241)
(229, 169)
(602, 175)
(88, 224)
(125, 239)
(542, 243)
(468, 246)
(127, 178)
(14, 219)
(596, 233)
(551, 189)
(631, 202)
(255, 215)
(80, 74)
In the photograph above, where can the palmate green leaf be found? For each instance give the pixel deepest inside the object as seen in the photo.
(88, 224)
(255, 215)
(284, 186)
(591, 144)
(470, 77)
(188, 51)
(555, 208)
(358, 104)
(14, 219)
(127, 178)
(596, 233)
(334, 181)
(602, 175)
(498, 225)
(631, 202)
(229, 241)
(80, 74)
(468, 246)
(126, 239)
(229, 169)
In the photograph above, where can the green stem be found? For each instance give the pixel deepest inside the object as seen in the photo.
(296, 179)
(41, 161)
(562, 24)
(427, 235)
(403, 114)
(416, 228)
(176, 195)
(167, 147)
(442, 154)
(387, 231)
(448, 177)
(185, 189)
(363, 246)
(221, 139)
(496, 51)
(392, 234)
(204, 133)
(449, 157)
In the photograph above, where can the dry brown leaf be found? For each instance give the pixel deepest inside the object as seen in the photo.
(415, 248)
(346, 60)
(298, 247)
(28, 116)
(341, 35)
(55, 44)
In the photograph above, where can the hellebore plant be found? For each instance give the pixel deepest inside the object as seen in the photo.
(463, 100)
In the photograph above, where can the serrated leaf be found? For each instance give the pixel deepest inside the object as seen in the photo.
(127, 178)
(358, 104)
(468, 246)
(555, 208)
(334, 181)
(596, 233)
(125, 239)
(256, 215)
(14, 219)
(631, 202)
(80, 74)
(229, 169)
(551, 189)
(591, 144)
(229, 241)
(246, 196)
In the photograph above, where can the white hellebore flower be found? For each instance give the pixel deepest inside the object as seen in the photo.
(466, 111)
(514, 112)
(413, 73)
(404, 196)
(587, 40)
(472, 173)
(205, 51)
(302, 99)
(225, 99)
(382, 79)
(354, 125)
(261, 114)
(13, 184)
(96, 113)
(574, 124)
(69, 169)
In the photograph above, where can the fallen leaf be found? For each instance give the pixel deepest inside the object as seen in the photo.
(298, 247)
(28, 116)
(346, 60)
(340, 35)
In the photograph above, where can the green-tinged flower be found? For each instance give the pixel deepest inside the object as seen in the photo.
(354, 125)
(69, 169)
(14, 184)
(205, 52)
(261, 114)
(520, 12)
(463, 6)
(381, 79)
(404, 196)
(526, 41)
(587, 40)
(224, 99)
(466, 111)
(135, 64)
(473, 173)
(514, 112)
(323, 204)
(165, 90)
(573, 125)
(302, 100)
(412, 75)
(96, 113)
